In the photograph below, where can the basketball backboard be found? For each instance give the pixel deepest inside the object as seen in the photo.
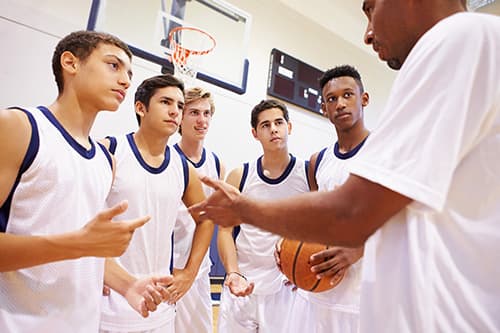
(145, 26)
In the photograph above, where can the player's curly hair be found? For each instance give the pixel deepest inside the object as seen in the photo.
(339, 71)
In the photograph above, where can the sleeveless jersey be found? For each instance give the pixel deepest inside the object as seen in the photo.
(331, 171)
(208, 165)
(61, 187)
(255, 247)
(153, 191)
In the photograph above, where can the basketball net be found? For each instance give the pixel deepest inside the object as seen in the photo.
(188, 45)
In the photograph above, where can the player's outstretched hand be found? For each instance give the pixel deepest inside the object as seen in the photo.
(220, 206)
(103, 237)
(145, 294)
(334, 261)
(238, 285)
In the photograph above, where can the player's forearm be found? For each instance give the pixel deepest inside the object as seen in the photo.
(227, 250)
(116, 277)
(201, 241)
(19, 251)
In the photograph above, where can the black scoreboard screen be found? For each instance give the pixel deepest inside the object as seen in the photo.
(294, 81)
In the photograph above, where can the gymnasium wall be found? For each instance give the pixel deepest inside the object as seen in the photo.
(30, 29)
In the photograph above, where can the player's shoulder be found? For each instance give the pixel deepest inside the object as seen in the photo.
(235, 175)
(15, 124)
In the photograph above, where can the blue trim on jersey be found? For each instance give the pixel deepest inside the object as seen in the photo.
(138, 156)
(107, 154)
(217, 164)
(318, 161)
(196, 165)
(244, 176)
(28, 159)
(172, 253)
(350, 153)
(88, 154)
(260, 171)
(306, 164)
(112, 144)
(185, 170)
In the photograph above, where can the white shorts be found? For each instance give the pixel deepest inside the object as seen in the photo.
(311, 317)
(167, 328)
(194, 309)
(255, 313)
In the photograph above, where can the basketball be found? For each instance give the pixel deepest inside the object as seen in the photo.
(295, 264)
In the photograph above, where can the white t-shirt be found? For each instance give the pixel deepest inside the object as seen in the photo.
(435, 265)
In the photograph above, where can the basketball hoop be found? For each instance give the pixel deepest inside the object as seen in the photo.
(186, 42)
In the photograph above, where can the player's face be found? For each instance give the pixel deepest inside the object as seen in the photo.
(102, 80)
(164, 112)
(272, 129)
(390, 29)
(343, 103)
(196, 119)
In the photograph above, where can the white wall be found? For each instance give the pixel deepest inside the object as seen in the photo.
(30, 29)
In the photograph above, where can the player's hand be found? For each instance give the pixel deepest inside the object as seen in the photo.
(103, 237)
(182, 281)
(334, 261)
(220, 206)
(238, 285)
(145, 294)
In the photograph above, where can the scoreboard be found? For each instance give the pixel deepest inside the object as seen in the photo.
(294, 81)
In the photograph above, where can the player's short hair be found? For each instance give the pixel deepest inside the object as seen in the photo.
(340, 71)
(267, 104)
(149, 86)
(195, 94)
(82, 43)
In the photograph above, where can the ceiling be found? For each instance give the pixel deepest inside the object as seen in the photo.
(346, 19)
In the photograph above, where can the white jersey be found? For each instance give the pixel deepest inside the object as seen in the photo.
(153, 191)
(209, 165)
(62, 186)
(332, 171)
(194, 309)
(435, 266)
(255, 247)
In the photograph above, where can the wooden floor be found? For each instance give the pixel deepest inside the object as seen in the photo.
(215, 309)
(215, 289)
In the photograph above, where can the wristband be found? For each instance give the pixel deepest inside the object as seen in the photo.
(237, 273)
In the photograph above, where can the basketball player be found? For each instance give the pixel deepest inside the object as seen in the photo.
(427, 177)
(254, 297)
(54, 180)
(156, 180)
(194, 309)
(337, 309)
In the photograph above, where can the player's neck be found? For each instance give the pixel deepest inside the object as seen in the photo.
(351, 139)
(275, 163)
(150, 144)
(193, 149)
(75, 118)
